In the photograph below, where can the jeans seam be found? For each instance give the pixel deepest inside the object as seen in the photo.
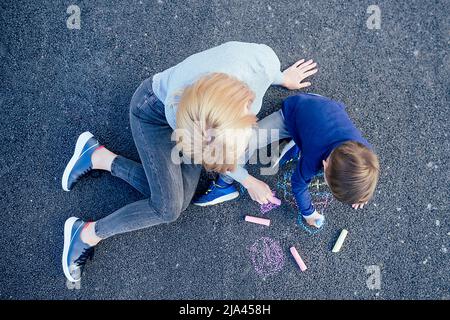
(151, 164)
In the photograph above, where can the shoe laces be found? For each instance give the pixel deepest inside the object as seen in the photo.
(213, 186)
(88, 253)
(84, 172)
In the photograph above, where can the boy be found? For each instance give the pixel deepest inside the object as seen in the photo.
(326, 138)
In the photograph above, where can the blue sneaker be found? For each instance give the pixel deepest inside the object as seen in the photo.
(289, 153)
(76, 252)
(80, 163)
(218, 191)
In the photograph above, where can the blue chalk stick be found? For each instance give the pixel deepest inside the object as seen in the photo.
(319, 222)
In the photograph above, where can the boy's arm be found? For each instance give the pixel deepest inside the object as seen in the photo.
(300, 191)
(302, 196)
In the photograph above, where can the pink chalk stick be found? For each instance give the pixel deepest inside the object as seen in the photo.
(262, 221)
(298, 259)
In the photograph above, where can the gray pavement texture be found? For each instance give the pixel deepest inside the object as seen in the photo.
(57, 83)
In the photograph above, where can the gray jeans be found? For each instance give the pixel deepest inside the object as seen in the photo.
(169, 187)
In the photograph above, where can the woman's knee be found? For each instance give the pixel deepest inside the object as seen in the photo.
(170, 211)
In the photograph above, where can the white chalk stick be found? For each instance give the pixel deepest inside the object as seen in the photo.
(298, 259)
(340, 241)
(262, 221)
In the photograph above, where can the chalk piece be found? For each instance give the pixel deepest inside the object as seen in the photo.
(340, 241)
(267, 207)
(298, 259)
(262, 221)
(319, 222)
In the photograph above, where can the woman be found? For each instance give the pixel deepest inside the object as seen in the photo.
(220, 90)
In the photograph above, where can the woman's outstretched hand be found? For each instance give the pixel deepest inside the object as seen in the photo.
(295, 74)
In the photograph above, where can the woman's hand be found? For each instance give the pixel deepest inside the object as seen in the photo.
(295, 74)
(258, 190)
(358, 205)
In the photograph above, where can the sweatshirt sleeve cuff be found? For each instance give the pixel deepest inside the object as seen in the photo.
(279, 79)
(310, 213)
(240, 174)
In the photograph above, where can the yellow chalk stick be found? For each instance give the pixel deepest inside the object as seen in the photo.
(340, 241)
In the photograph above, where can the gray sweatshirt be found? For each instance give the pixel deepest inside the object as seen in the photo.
(257, 65)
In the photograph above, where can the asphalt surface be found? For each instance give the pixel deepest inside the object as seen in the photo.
(57, 83)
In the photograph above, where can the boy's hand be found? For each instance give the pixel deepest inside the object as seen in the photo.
(259, 191)
(295, 74)
(359, 205)
(313, 219)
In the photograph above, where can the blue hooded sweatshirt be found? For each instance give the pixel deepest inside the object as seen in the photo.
(317, 125)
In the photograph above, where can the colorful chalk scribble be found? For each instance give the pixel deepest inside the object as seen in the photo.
(267, 256)
(318, 189)
(264, 208)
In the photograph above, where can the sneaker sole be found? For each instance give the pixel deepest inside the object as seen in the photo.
(221, 199)
(67, 232)
(81, 141)
(286, 148)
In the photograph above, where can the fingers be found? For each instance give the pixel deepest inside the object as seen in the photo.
(309, 73)
(299, 62)
(304, 64)
(307, 67)
(359, 205)
(254, 197)
(304, 85)
(305, 72)
(272, 199)
(269, 197)
(261, 200)
(258, 200)
(311, 222)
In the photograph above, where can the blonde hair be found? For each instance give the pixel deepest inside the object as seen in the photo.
(213, 126)
(352, 172)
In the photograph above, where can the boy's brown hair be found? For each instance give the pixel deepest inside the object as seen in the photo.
(352, 172)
